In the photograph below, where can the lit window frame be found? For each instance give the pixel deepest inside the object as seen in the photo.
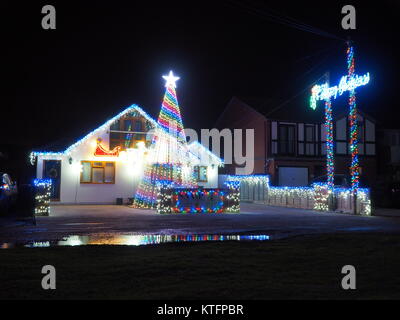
(93, 165)
(197, 173)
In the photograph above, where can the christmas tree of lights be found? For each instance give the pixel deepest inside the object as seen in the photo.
(170, 115)
(170, 159)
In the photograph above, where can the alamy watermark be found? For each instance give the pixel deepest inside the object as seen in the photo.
(49, 19)
(349, 280)
(349, 20)
(49, 280)
(238, 145)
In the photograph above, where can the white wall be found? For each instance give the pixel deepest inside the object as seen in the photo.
(129, 169)
(128, 172)
(204, 158)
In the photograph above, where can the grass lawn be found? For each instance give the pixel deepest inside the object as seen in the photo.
(296, 268)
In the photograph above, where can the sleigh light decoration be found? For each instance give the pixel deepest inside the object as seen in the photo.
(101, 152)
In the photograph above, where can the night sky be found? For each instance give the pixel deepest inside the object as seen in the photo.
(106, 56)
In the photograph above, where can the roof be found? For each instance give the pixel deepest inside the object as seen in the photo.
(295, 109)
(59, 150)
(134, 107)
(198, 145)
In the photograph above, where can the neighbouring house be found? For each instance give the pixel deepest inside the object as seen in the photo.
(108, 163)
(387, 188)
(290, 139)
(389, 154)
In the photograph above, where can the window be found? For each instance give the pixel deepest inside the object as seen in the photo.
(138, 128)
(115, 125)
(310, 139)
(286, 139)
(127, 125)
(120, 131)
(86, 174)
(98, 172)
(200, 173)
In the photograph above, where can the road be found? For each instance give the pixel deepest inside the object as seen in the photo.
(254, 218)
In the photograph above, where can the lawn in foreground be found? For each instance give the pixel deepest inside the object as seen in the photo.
(295, 268)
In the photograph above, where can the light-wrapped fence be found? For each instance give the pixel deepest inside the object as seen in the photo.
(42, 196)
(319, 196)
(252, 187)
(171, 199)
(345, 201)
(294, 197)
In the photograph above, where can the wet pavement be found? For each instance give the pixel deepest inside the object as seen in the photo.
(277, 222)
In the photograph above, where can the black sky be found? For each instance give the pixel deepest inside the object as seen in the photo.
(105, 56)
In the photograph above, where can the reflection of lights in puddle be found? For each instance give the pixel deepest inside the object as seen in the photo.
(359, 229)
(39, 244)
(81, 223)
(137, 240)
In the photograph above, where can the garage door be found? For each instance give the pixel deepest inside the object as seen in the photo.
(293, 176)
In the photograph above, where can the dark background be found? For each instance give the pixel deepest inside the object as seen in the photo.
(60, 84)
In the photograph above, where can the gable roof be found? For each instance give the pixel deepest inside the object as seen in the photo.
(197, 146)
(67, 150)
(295, 109)
(108, 123)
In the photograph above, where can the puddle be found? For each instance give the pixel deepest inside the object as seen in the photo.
(133, 240)
(81, 223)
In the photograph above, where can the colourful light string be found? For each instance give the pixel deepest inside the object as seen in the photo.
(170, 117)
(354, 167)
(132, 108)
(214, 194)
(170, 121)
(330, 167)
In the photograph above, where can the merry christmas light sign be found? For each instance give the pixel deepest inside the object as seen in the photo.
(324, 92)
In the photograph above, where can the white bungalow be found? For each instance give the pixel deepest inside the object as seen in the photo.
(108, 163)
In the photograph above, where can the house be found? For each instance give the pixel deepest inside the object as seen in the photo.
(108, 163)
(389, 154)
(289, 143)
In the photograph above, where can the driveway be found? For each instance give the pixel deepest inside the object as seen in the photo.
(254, 218)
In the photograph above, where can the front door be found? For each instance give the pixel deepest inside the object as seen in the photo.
(52, 170)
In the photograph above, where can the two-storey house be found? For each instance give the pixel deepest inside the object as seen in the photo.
(289, 139)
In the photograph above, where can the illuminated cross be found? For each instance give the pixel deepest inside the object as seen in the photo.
(324, 92)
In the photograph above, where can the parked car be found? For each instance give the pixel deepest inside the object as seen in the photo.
(339, 180)
(8, 193)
